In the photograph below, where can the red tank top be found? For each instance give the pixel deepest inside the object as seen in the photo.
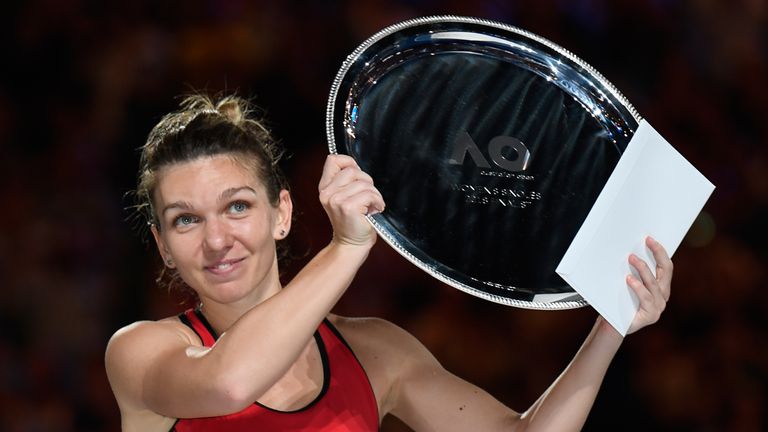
(346, 402)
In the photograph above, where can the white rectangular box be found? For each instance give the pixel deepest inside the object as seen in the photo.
(652, 191)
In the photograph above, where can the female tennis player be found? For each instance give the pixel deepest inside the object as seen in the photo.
(257, 355)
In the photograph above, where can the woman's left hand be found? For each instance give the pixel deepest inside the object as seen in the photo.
(653, 292)
(347, 194)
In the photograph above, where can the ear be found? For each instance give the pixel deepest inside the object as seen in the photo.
(284, 215)
(165, 254)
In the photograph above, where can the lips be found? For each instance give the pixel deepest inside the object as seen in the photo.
(223, 267)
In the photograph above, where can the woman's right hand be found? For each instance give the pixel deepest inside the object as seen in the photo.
(348, 195)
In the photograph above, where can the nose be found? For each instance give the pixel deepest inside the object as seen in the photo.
(218, 236)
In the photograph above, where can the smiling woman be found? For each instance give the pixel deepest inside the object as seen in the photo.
(200, 129)
(217, 203)
(218, 228)
(257, 355)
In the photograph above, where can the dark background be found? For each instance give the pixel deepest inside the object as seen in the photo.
(84, 81)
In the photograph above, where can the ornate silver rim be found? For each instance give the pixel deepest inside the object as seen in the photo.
(394, 243)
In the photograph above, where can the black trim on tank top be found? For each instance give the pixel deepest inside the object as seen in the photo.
(336, 332)
(205, 322)
(326, 379)
(341, 338)
(320, 347)
(184, 320)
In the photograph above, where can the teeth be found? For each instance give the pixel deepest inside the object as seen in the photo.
(223, 266)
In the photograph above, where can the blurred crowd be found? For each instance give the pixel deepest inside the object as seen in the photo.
(84, 82)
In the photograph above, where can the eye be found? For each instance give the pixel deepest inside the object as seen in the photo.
(239, 207)
(184, 220)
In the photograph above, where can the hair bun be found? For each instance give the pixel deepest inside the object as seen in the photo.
(233, 108)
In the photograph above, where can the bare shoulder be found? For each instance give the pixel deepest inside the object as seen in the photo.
(146, 333)
(133, 348)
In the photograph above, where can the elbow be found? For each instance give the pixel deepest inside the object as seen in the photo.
(238, 389)
(233, 394)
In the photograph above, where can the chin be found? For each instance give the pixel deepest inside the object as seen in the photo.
(227, 292)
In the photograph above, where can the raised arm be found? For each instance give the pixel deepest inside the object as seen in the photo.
(155, 365)
(427, 397)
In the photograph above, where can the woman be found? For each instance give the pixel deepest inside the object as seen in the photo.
(217, 205)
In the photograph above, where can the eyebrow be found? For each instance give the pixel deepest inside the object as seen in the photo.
(229, 193)
(225, 195)
(183, 205)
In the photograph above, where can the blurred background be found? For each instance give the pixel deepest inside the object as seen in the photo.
(84, 82)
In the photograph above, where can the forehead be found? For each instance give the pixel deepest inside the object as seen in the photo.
(203, 177)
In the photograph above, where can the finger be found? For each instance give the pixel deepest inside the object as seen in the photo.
(369, 196)
(343, 177)
(650, 307)
(333, 164)
(663, 261)
(366, 202)
(641, 291)
(347, 192)
(649, 280)
(649, 311)
(349, 175)
(342, 180)
(664, 266)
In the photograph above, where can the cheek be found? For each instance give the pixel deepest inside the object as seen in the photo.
(256, 232)
(183, 247)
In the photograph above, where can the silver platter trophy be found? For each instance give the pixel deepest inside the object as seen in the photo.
(489, 145)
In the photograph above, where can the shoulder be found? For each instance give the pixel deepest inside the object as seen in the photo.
(148, 333)
(377, 335)
(132, 349)
(390, 355)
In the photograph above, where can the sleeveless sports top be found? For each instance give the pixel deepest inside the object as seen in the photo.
(346, 402)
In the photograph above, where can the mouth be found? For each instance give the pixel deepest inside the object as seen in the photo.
(223, 267)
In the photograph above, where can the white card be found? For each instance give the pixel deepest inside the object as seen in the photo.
(652, 191)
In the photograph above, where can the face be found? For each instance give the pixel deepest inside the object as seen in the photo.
(218, 229)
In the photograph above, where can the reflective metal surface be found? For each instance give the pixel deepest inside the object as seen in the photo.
(489, 145)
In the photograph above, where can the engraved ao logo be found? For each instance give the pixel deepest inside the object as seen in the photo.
(466, 145)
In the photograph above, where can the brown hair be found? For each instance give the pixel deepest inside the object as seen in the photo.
(206, 127)
(201, 128)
